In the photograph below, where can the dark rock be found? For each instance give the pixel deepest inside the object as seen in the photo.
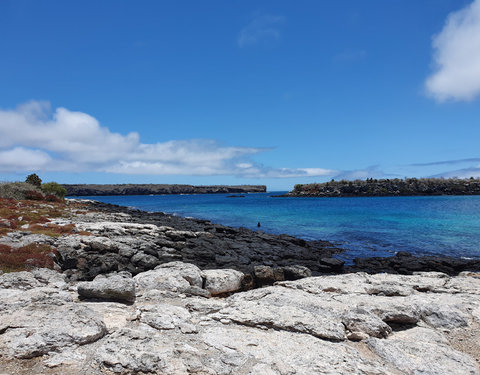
(334, 264)
(296, 272)
(263, 275)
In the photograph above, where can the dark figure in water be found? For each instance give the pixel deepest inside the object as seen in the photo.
(258, 224)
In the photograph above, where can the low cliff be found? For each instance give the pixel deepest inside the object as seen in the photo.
(388, 187)
(147, 189)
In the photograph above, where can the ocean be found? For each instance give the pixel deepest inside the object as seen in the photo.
(363, 227)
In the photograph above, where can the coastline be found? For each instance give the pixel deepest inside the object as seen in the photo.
(162, 314)
(157, 189)
(239, 248)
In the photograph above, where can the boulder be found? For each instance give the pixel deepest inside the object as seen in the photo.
(174, 276)
(264, 275)
(296, 272)
(115, 287)
(222, 281)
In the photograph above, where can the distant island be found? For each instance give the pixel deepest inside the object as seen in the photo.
(388, 187)
(156, 189)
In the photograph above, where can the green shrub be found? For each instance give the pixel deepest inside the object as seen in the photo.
(34, 180)
(54, 188)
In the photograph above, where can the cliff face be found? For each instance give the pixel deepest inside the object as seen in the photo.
(147, 189)
(387, 187)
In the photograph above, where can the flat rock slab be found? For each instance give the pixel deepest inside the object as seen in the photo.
(42, 328)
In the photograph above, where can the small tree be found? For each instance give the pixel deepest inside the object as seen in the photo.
(34, 180)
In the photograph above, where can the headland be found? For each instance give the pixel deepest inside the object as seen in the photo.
(158, 189)
(388, 188)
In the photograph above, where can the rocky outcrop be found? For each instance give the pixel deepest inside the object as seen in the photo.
(406, 264)
(134, 241)
(388, 187)
(426, 323)
(157, 189)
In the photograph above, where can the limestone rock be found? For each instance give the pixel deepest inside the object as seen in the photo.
(42, 328)
(176, 277)
(115, 287)
(222, 281)
(285, 309)
(412, 354)
(139, 350)
(165, 317)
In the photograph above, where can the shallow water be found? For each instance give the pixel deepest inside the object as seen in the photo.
(374, 226)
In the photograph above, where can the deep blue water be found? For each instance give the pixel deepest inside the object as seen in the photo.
(376, 226)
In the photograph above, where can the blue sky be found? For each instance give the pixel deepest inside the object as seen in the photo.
(234, 92)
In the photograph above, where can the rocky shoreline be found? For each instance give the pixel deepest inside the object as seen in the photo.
(150, 293)
(209, 245)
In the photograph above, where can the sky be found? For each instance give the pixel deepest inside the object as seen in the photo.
(239, 92)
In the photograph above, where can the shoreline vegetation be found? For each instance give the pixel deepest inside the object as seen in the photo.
(157, 189)
(388, 188)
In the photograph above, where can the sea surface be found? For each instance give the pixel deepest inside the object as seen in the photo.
(373, 226)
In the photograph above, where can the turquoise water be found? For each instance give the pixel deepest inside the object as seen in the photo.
(375, 226)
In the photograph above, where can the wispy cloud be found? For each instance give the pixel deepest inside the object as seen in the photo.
(263, 28)
(446, 162)
(461, 173)
(33, 138)
(457, 57)
(369, 172)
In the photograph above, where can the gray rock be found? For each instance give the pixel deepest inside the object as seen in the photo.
(412, 355)
(222, 281)
(264, 275)
(362, 321)
(145, 261)
(165, 317)
(112, 287)
(42, 328)
(296, 272)
(139, 350)
(174, 276)
(285, 309)
(19, 280)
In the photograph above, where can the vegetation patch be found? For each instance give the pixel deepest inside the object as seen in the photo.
(36, 216)
(14, 259)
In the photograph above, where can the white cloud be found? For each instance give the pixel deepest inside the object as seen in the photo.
(262, 28)
(457, 57)
(20, 158)
(34, 139)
